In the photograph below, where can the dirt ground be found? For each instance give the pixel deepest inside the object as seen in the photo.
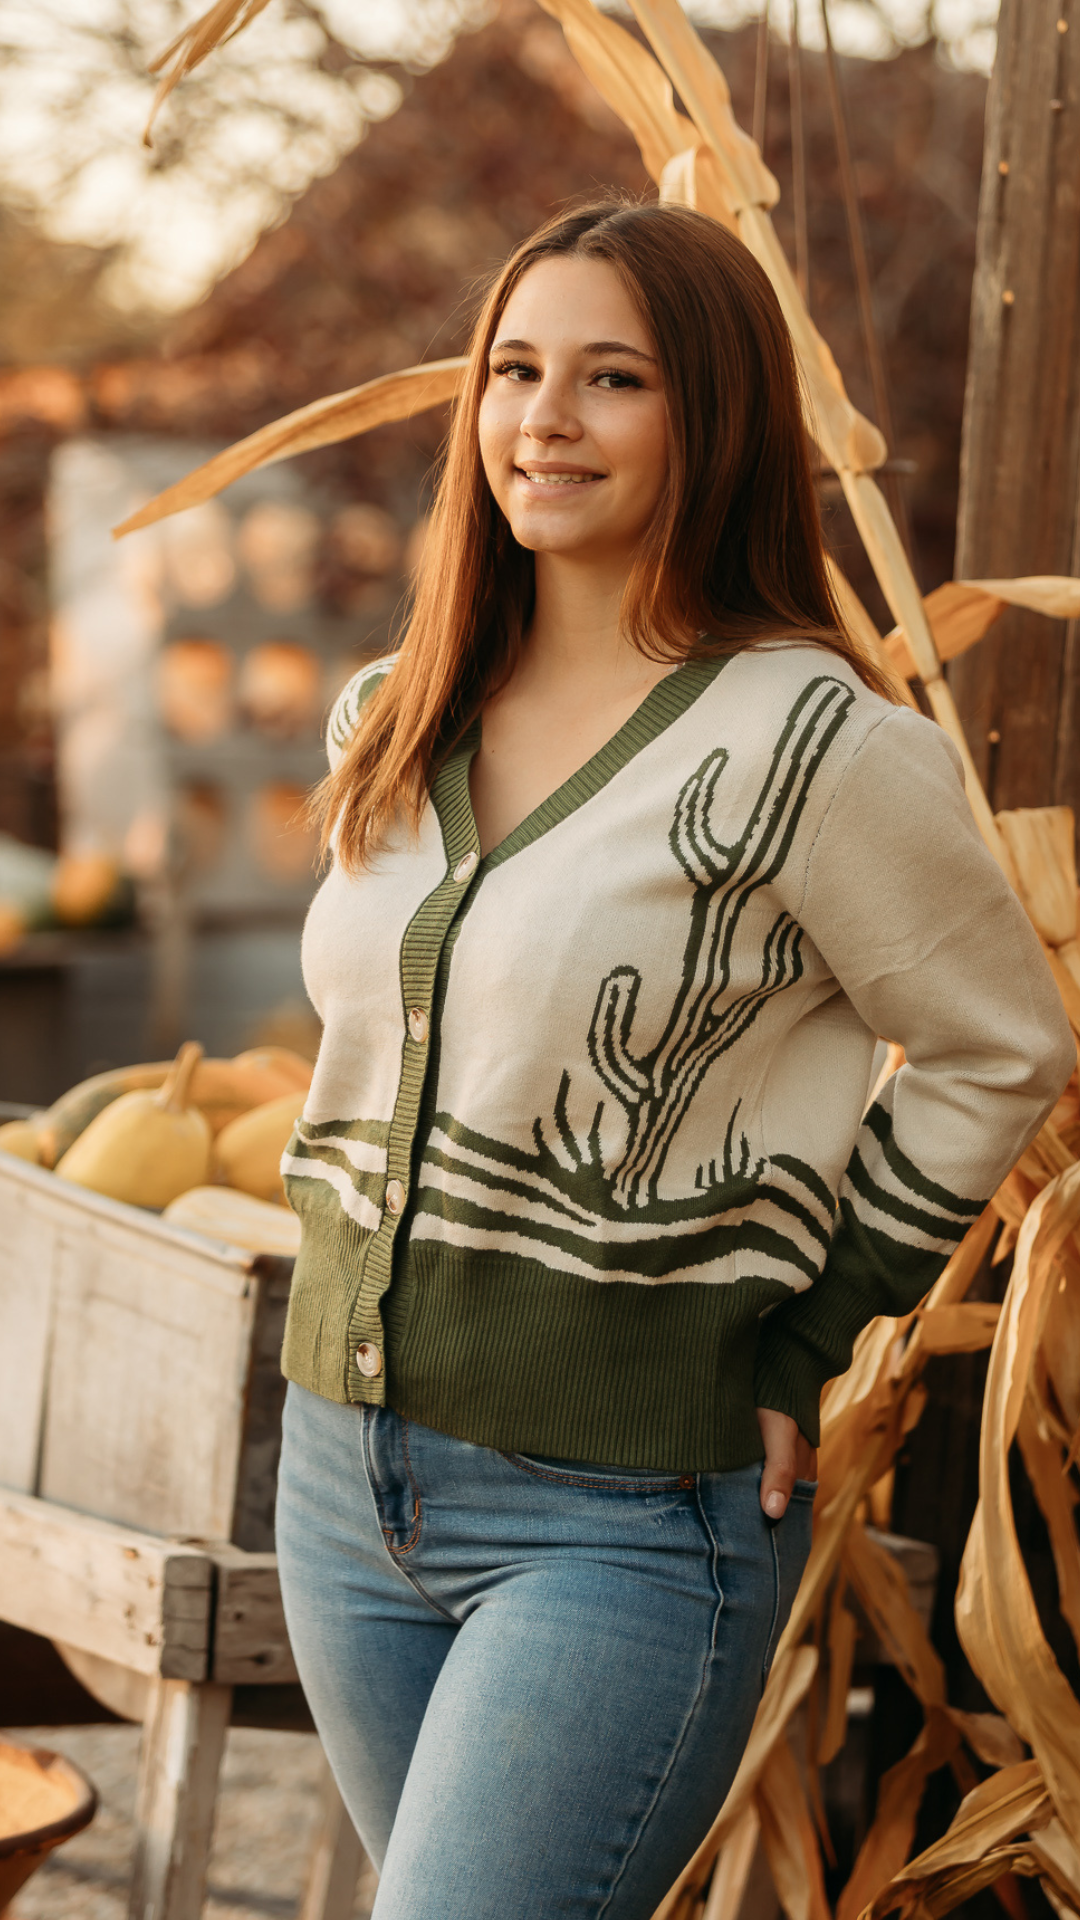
(267, 1808)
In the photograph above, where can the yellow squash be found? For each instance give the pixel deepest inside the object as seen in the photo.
(237, 1218)
(247, 1152)
(23, 1138)
(222, 1089)
(146, 1147)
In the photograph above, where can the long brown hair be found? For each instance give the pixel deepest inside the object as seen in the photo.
(734, 553)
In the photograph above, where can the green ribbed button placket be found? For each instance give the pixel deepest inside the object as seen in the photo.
(425, 938)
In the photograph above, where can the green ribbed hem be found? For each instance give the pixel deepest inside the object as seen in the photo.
(317, 1352)
(508, 1354)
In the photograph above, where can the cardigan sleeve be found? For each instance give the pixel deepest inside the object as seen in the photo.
(345, 712)
(927, 939)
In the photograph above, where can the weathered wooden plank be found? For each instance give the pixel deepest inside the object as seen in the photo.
(109, 1590)
(26, 1274)
(148, 1357)
(183, 1737)
(256, 1485)
(251, 1643)
(338, 1856)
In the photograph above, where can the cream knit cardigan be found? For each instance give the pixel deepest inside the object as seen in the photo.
(585, 1168)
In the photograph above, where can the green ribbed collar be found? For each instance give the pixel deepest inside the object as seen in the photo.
(664, 704)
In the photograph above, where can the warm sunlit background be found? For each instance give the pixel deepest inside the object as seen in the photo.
(321, 200)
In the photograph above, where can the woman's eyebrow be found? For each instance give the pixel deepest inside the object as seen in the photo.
(597, 347)
(618, 346)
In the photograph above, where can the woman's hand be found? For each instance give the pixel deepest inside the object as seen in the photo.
(788, 1457)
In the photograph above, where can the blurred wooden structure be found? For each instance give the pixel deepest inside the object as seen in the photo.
(1019, 510)
(140, 1408)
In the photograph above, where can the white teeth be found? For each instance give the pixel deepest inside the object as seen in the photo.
(558, 479)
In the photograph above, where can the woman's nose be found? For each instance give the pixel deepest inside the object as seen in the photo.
(550, 414)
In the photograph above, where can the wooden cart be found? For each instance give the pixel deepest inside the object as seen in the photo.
(140, 1411)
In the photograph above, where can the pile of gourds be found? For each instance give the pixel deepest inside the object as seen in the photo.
(195, 1139)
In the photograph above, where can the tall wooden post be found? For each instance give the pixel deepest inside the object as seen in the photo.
(1019, 691)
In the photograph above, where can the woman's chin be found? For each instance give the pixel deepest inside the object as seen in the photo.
(572, 543)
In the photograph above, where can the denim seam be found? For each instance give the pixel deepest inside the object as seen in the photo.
(670, 1484)
(769, 1644)
(714, 1562)
(418, 1587)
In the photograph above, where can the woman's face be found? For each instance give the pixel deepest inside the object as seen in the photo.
(573, 423)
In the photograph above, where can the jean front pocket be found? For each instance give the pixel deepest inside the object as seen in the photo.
(790, 1540)
(599, 1478)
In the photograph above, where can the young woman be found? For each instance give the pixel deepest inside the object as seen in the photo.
(633, 859)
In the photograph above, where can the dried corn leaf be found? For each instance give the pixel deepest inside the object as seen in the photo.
(1006, 1243)
(790, 1839)
(1011, 1802)
(733, 1868)
(1055, 594)
(219, 23)
(394, 396)
(1061, 1352)
(951, 1284)
(962, 1329)
(704, 92)
(1069, 954)
(1067, 986)
(996, 1616)
(627, 77)
(959, 614)
(947, 1891)
(990, 1736)
(1060, 1860)
(1057, 1498)
(877, 531)
(875, 1347)
(1013, 1198)
(1042, 842)
(882, 1591)
(885, 1847)
(693, 179)
(843, 1633)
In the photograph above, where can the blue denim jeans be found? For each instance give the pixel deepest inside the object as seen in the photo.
(533, 1679)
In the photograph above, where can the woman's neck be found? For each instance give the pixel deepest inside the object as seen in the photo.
(575, 632)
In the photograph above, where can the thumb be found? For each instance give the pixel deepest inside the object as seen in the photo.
(778, 1474)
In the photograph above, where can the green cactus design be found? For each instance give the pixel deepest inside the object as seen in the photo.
(656, 1087)
(566, 1173)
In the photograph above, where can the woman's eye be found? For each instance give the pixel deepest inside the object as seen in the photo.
(515, 370)
(617, 379)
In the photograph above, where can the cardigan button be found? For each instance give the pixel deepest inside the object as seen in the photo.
(418, 1025)
(466, 866)
(369, 1360)
(395, 1196)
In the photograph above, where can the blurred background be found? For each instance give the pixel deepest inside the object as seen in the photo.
(320, 205)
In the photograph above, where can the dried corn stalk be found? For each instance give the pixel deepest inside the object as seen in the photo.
(394, 396)
(961, 611)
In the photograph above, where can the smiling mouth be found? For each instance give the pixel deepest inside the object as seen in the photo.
(541, 478)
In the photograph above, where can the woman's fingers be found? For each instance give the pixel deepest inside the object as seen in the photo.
(788, 1457)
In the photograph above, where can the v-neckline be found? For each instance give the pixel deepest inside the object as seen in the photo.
(664, 703)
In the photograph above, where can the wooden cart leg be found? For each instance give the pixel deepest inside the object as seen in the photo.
(336, 1861)
(183, 1737)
